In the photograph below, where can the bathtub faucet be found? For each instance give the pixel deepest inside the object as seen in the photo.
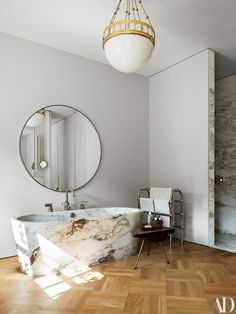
(66, 204)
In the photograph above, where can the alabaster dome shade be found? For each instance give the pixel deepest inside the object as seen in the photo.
(128, 42)
(129, 52)
(35, 120)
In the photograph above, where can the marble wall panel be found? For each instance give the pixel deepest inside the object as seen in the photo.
(225, 155)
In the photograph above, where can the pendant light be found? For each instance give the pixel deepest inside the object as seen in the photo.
(129, 42)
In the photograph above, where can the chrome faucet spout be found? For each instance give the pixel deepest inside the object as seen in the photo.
(72, 191)
(66, 204)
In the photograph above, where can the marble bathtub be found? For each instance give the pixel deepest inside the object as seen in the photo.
(71, 241)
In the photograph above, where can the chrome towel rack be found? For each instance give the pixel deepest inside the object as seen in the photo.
(176, 210)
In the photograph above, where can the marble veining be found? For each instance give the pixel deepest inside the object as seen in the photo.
(56, 242)
(225, 153)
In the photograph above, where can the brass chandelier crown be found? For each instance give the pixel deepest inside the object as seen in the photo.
(132, 23)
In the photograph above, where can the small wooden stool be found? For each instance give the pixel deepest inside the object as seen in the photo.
(154, 235)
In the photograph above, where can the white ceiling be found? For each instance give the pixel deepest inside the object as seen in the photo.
(184, 27)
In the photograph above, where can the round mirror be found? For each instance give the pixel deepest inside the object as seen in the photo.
(60, 148)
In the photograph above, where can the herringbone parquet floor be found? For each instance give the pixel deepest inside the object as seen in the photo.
(190, 284)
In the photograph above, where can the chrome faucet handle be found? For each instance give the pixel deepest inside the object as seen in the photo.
(50, 207)
(83, 204)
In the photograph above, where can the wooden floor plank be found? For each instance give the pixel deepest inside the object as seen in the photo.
(196, 276)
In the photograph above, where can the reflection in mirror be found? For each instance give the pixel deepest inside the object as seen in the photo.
(60, 147)
(43, 164)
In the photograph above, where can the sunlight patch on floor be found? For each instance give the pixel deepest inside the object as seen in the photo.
(55, 286)
(47, 281)
(56, 290)
(88, 277)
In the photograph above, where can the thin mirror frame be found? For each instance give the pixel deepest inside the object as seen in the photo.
(22, 160)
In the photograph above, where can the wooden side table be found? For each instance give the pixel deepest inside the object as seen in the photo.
(154, 235)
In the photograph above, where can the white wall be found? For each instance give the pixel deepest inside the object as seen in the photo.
(32, 76)
(179, 138)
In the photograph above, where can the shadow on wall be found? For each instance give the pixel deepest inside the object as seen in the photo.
(224, 66)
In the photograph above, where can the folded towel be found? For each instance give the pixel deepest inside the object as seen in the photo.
(147, 204)
(161, 193)
(166, 221)
(162, 207)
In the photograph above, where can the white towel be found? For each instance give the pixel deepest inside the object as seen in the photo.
(161, 193)
(146, 204)
(162, 207)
